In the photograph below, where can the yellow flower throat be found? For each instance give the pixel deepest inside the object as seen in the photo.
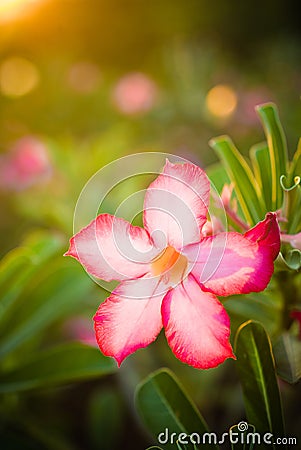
(171, 265)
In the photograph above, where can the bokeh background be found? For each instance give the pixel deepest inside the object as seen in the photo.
(83, 82)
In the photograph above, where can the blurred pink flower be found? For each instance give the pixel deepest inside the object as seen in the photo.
(293, 239)
(230, 206)
(212, 226)
(250, 99)
(134, 93)
(226, 194)
(25, 165)
(79, 328)
(170, 273)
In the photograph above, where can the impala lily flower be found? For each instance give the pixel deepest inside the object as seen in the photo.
(170, 273)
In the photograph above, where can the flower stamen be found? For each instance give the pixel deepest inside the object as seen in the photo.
(171, 265)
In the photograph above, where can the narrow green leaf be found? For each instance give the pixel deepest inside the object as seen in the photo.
(287, 351)
(218, 175)
(260, 158)
(67, 363)
(266, 307)
(20, 265)
(290, 261)
(245, 184)
(293, 259)
(276, 140)
(167, 411)
(291, 208)
(59, 291)
(295, 165)
(294, 215)
(256, 371)
(292, 203)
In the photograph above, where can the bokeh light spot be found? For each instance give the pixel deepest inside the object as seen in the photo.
(135, 93)
(221, 100)
(11, 9)
(84, 77)
(18, 77)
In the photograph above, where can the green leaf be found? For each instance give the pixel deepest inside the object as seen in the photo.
(295, 165)
(260, 158)
(58, 291)
(292, 203)
(293, 259)
(218, 176)
(282, 264)
(67, 363)
(276, 140)
(165, 408)
(256, 371)
(265, 307)
(287, 351)
(245, 184)
(20, 265)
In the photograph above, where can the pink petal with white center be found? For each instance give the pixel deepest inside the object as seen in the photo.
(197, 326)
(112, 249)
(231, 263)
(124, 324)
(176, 205)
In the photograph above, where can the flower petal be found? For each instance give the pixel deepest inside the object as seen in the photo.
(231, 263)
(197, 326)
(123, 324)
(176, 205)
(266, 233)
(112, 249)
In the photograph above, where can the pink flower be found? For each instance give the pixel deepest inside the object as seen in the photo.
(79, 328)
(249, 100)
(212, 226)
(293, 239)
(170, 273)
(135, 93)
(27, 164)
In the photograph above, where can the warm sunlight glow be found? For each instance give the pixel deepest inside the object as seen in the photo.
(11, 9)
(18, 77)
(221, 101)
